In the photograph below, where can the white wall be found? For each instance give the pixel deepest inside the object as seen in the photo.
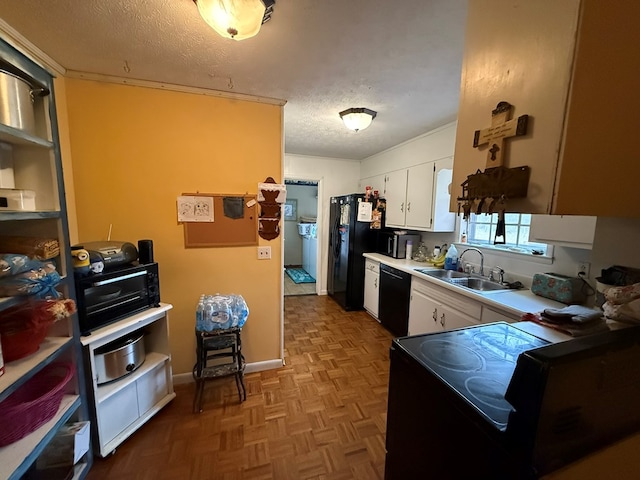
(617, 242)
(431, 146)
(307, 201)
(334, 177)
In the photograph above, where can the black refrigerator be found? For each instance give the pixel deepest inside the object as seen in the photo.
(348, 240)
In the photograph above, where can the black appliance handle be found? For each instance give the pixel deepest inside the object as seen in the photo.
(119, 279)
(394, 275)
(337, 240)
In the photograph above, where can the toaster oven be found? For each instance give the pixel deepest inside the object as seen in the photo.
(104, 298)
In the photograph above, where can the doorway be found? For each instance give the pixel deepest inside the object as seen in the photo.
(300, 216)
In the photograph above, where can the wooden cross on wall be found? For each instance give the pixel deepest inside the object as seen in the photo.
(501, 128)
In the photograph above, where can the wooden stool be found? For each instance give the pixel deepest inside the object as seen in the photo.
(218, 354)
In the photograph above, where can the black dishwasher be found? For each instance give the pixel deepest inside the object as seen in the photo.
(395, 292)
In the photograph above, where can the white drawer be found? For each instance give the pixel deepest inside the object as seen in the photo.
(372, 265)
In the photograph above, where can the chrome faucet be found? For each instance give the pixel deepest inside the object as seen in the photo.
(481, 258)
(500, 271)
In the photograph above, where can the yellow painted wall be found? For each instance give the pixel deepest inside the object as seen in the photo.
(134, 150)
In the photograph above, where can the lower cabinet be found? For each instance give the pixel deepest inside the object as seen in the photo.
(434, 309)
(121, 406)
(371, 287)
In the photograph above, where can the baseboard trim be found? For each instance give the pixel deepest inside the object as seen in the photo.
(253, 367)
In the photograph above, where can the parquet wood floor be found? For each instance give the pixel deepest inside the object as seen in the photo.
(321, 417)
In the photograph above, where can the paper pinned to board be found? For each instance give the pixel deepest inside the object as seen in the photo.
(365, 210)
(195, 209)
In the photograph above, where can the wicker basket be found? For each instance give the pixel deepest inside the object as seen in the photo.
(34, 403)
(24, 327)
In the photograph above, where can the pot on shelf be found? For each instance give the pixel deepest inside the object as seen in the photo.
(16, 102)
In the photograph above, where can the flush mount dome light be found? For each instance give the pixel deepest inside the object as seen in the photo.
(357, 119)
(236, 19)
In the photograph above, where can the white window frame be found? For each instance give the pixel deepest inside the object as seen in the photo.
(526, 248)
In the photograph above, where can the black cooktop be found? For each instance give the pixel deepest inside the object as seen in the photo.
(477, 362)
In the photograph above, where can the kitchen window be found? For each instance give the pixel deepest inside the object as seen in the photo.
(481, 231)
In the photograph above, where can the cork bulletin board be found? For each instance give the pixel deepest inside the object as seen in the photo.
(224, 230)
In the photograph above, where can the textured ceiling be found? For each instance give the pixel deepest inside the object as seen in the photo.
(401, 58)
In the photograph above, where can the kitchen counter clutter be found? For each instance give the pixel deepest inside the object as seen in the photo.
(513, 303)
(437, 305)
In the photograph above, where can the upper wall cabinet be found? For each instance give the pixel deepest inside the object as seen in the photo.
(572, 67)
(377, 182)
(565, 230)
(418, 197)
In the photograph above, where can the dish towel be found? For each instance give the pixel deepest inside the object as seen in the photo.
(572, 313)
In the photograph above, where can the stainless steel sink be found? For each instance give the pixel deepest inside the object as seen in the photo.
(479, 284)
(460, 279)
(442, 274)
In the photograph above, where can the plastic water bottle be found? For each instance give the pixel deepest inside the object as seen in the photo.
(200, 313)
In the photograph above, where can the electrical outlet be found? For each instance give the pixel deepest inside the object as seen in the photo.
(582, 268)
(264, 253)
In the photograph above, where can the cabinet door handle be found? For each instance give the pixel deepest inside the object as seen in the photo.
(442, 320)
(375, 282)
(408, 206)
(402, 207)
(435, 314)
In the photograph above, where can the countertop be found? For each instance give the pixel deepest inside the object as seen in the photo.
(515, 302)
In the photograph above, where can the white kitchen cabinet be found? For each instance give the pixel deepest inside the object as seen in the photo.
(395, 196)
(571, 66)
(575, 231)
(376, 182)
(434, 309)
(371, 286)
(122, 406)
(30, 160)
(423, 313)
(418, 197)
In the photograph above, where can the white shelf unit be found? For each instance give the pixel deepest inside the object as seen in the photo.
(37, 166)
(122, 406)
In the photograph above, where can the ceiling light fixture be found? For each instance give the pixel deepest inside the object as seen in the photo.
(357, 119)
(236, 19)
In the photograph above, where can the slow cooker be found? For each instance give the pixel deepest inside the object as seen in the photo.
(119, 358)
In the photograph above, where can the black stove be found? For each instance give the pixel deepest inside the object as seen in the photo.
(492, 401)
(476, 362)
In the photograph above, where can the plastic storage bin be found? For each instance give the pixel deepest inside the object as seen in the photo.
(19, 200)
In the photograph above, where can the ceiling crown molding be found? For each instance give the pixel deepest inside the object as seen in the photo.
(24, 46)
(96, 77)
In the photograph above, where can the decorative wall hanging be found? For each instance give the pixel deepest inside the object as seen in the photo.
(489, 191)
(270, 197)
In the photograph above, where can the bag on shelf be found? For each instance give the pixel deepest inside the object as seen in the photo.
(39, 248)
(15, 263)
(40, 281)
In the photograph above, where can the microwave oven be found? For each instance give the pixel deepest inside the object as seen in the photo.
(106, 297)
(394, 244)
